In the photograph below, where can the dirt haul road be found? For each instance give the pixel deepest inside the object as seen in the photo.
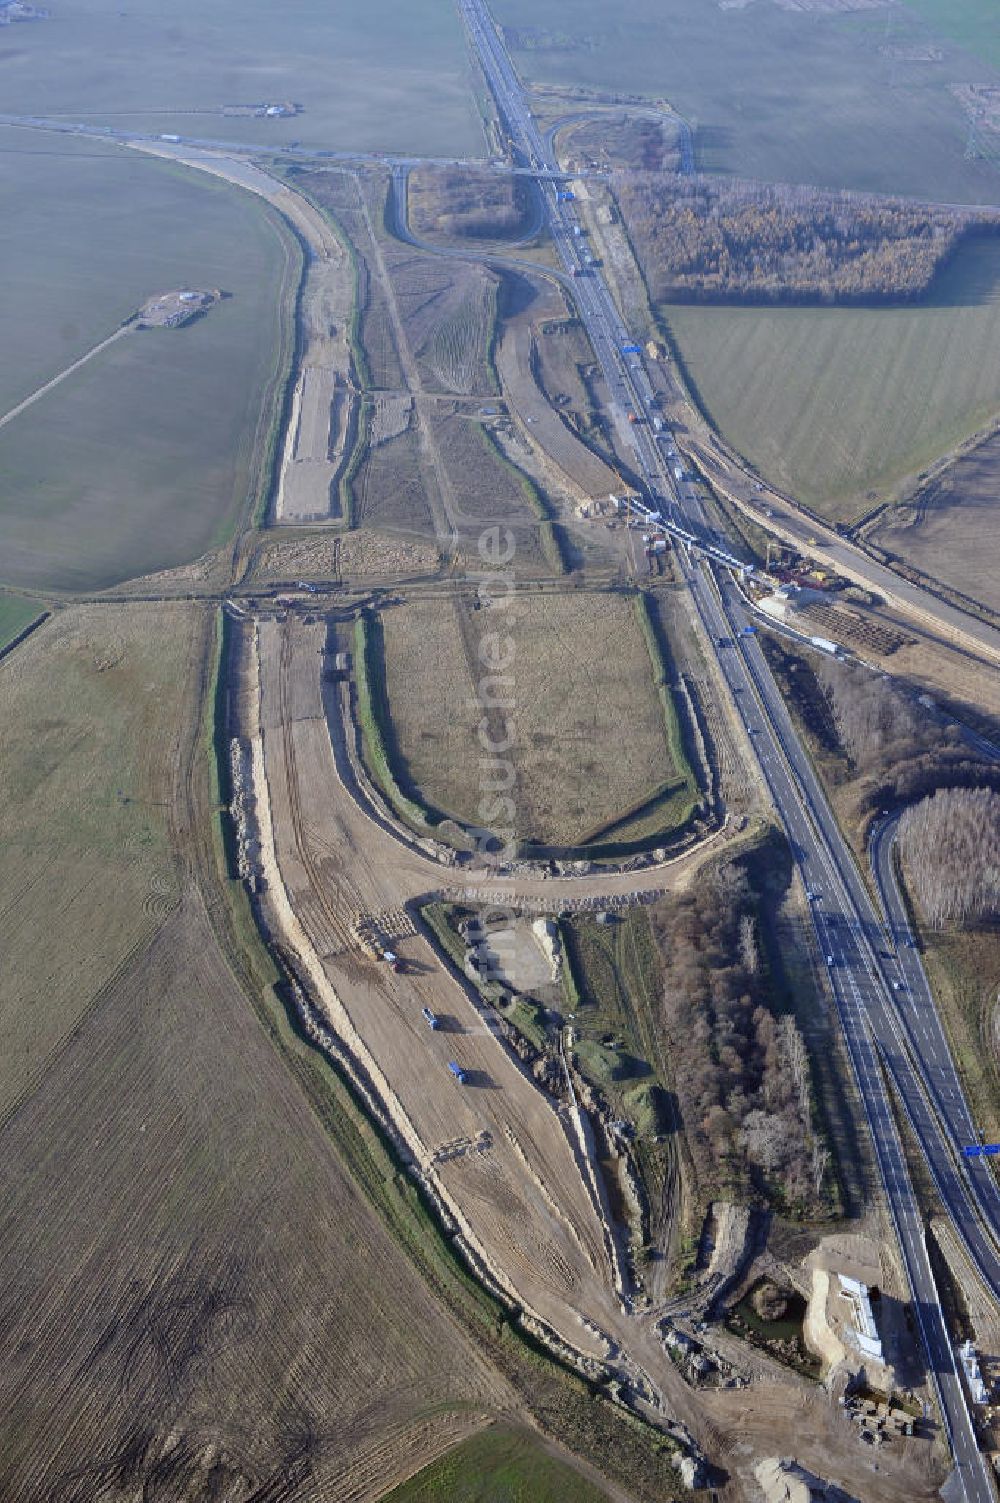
(503, 1157)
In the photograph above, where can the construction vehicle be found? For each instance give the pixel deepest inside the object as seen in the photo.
(460, 1075)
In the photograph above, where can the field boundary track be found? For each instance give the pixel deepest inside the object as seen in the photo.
(142, 942)
(54, 381)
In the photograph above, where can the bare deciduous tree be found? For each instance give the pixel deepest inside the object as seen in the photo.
(742, 1074)
(702, 240)
(950, 847)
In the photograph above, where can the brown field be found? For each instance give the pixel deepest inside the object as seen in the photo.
(424, 325)
(361, 554)
(186, 1262)
(98, 703)
(448, 310)
(390, 488)
(552, 386)
(590, 744)
(564, 354)
(949, 530)
(187, 1270)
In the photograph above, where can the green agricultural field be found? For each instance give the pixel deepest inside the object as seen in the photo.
(497, 1466)
(839, 405)
(96, 709)
(370, 74)
(145, 456)
(15, 614)
(970, 23)
(774, 93)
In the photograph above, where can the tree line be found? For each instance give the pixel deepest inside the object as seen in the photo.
(950, 847)
(741, 1073)
(702, 240)
(898, 749)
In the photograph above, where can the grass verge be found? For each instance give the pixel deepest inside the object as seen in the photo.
(498, 1466)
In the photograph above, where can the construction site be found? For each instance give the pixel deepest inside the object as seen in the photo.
(505, 1151)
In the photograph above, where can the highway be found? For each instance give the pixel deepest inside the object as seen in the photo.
(297, 152)
(917, 1007)
(891, 1044)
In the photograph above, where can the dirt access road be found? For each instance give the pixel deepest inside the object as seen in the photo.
(505, 1160)
(316, 440)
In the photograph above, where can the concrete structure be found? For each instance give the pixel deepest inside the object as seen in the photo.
(973, 1374)
(865, 1332)
(546, 932)
(788, 598)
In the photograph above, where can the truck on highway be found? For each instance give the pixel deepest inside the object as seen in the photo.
(825, 645)
(460, 1075)
(174, 140)
(564, 195)
(631, 349)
